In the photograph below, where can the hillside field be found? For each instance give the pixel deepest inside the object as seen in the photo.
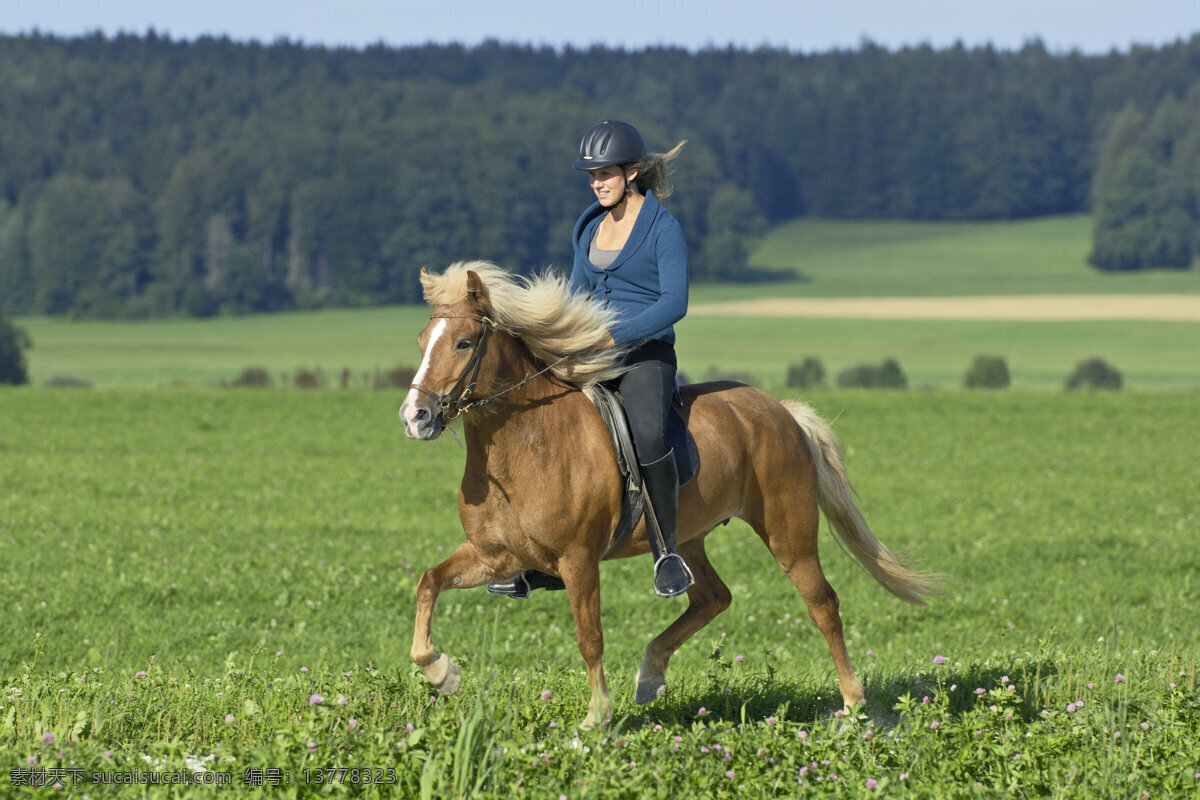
(832, 259)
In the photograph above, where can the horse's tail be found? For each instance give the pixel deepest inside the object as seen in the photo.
(837, 501)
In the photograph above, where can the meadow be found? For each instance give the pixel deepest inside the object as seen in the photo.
(210, 585)
(809, 258)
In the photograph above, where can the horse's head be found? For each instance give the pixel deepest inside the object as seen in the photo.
(452, 347)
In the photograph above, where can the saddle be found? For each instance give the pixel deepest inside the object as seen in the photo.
(633, 498)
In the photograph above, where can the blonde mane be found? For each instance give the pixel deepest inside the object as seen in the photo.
(542, 312)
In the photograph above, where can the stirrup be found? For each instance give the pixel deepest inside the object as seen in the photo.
(518, 588)
(672, 576)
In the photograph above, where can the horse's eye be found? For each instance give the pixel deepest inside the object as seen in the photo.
(463, 344)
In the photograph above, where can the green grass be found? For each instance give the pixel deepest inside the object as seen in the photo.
(1150, 355)
(880, 258)
(936, 354)
(899, 258)
(181, 570)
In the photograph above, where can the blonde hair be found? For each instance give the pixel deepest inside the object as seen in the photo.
(652, 172)
(541, 311)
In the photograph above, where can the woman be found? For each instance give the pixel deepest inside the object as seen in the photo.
(630, 255)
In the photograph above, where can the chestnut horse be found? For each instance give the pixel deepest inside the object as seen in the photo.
(541, 488)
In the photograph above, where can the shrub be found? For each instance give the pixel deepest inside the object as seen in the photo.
(1095, 373)
(67, 382)
(887, 375)
(806, 375)
(14, 341)
(253, 378)
(400, 377)
(988, 372)
(308, 379)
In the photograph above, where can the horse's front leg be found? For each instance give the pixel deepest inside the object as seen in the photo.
(464, 569)
(583, 590)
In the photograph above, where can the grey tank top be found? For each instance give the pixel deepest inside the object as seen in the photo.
(601, 259)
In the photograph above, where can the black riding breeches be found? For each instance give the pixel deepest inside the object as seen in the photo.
(647, 390)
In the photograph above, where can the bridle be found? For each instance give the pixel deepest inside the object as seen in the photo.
(457, 400)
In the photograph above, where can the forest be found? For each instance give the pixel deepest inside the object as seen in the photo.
(145, 176)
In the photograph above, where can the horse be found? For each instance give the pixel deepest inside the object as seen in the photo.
(514, 358)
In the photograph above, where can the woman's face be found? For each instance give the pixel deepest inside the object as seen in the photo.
(609, 184)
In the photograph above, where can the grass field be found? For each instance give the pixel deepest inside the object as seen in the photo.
(849, 259)
(901, 258)
(224, 579)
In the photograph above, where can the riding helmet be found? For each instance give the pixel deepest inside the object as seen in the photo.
(610, 142)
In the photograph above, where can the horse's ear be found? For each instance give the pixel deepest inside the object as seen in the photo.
(476, 291)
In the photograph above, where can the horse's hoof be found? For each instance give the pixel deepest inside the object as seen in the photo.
(443, 672)
(650, 690)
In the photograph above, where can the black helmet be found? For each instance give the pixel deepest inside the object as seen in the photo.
(610, 142)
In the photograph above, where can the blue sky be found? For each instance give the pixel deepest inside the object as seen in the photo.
(1092, 26)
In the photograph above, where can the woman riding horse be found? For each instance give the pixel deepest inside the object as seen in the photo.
(631, 257)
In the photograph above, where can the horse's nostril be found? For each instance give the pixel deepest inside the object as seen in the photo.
(421, 414)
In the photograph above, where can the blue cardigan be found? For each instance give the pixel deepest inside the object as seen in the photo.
(647, 284)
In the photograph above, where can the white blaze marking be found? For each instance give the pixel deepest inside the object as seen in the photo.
(408, 409)
(438, 330)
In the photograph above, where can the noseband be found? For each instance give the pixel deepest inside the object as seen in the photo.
(457, 400)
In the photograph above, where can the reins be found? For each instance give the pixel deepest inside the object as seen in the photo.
(451, 405)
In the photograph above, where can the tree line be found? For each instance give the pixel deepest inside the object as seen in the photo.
(142, 176)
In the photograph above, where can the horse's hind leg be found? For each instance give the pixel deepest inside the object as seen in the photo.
(707, 598)
(791, 536)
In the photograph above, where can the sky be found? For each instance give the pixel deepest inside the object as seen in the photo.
(1090, 26)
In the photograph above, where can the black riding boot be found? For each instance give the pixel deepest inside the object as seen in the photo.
(520, 587)
(672, 576)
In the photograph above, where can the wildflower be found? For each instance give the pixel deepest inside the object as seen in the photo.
(553, 724)
(653, 751)
(1145, 726)
(229, 719)
(408, 728)
(304, 669)
(925, 700)
(47, 738)
(739, 659)
(870, 653)
(315, 699)
(802, 735)
(803, 771)
(770, 720)
(1120, 678)
(341, 701)
(31, 761)
(935, 725)
(546, 695)
(871, 783)
(729, 773)
(1071, 708)
(702, 711)
(981, 691)
(352, 724)
(939, 660)
(312, 746)
(760, 752)
(903, 776)
(678, 738)
(140, 674)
